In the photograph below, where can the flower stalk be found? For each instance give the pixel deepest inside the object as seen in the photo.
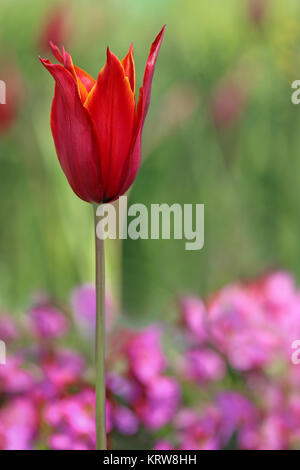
(100, 340)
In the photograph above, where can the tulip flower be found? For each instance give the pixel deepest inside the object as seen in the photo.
(257, 10)
(97, 130)
(56, 27)
(96, 126)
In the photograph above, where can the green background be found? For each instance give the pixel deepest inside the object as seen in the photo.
(246, 174)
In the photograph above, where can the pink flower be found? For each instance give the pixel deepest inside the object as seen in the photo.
(62, 368)
(202, 365)
(14, 377)
(60, 441)
(47, 322)
(122, 386)
(194, 317)
(199, 431)
(278, 289)
(8, 330)
(236, 412)
(145, 355)
(83, 301)
(18, 424)
(270, 434)
(72, 420)
(163, 444)
(241, 329)
(160, 403)
(252, 349)
(125, 420)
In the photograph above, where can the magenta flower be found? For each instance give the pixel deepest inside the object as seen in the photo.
(46, 322)
(15, 378)
(18, 424)
(83, 301)
(62, 368)
(73, 417)
(236, 412)
(163, 444)
(202, 365)
(126, 422)
(194, 318)
(160, 403)
(145, 355)
(241, 330)
(8, 329)
(199, 431)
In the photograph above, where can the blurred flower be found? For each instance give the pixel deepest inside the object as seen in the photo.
(202, 365)
(8, 329)
(145, 355)
(239, 328)
(163, 444)
(72, 421)
(248, 324)
(236, 412)
(46, 322)
(125, 420)
(14, 377)
(99, 145)
(14, 91)
(270, 434)
(62, 367)
(123, 387)
(194, 318)
(227, 103)
(200, 431)
(18, 424)
(56, 28)
(83, 301)
(160, 402)
(257, 10)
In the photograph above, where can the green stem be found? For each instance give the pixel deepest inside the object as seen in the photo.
(100, 341)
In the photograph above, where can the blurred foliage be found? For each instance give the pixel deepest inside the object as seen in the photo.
(246, 173)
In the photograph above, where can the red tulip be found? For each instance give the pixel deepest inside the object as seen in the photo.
(257, 11)
(56, 27)
(96, 126)
(227, 103)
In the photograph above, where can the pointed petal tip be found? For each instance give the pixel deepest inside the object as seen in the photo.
(160, 35)
(55, 51)
(44, 61)
(108, 54)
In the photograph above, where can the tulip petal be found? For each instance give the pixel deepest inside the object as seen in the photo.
(149, 71)
(111, 105)
(68, 64)
(83, 77)
(133, 163)
(129, 67)
(74, 136)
